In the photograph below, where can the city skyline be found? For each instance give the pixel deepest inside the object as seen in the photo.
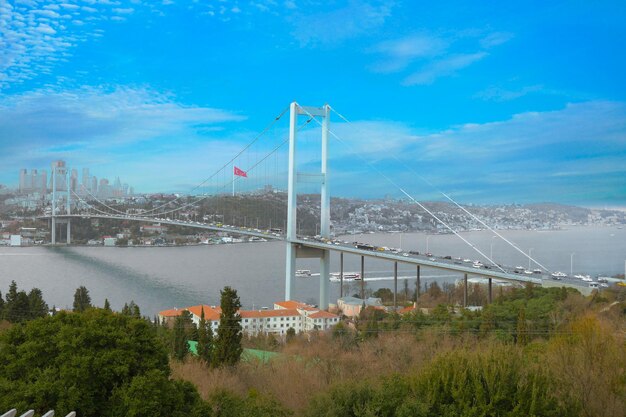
(500, 104)
(36, 181)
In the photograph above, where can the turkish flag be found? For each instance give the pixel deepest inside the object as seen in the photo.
(240, 172)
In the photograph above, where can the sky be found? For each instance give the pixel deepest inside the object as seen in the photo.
(490, 102)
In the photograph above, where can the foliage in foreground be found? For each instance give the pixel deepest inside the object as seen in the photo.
(498, 382)
(100, 363)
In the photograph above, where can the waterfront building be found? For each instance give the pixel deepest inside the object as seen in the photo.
(352, 306)
(286, 314)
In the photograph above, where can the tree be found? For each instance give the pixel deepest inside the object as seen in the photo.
(1, 306)
(205, 340)
(385, 294)
(37, 305)
(82, 300)
(181, 335)
(154, 395)
(76, 361)
(228, 347)
(290, 335)
(107, 305)
(18, 309)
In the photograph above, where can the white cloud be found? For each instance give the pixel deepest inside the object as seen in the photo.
(401, 52)
(35, 36)
(357, 18)
(428, 57)
(441, 68)
(561, 155)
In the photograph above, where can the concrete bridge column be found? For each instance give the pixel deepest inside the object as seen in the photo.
(69, 231)
(324, 277)
(490, 291)
(465, 290)
(395, 285)
(418, 285)
(340, 274)
(362, 277)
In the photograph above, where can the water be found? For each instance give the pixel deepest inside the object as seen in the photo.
(158, 278)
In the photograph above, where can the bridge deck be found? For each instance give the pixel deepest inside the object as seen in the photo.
(441, 264)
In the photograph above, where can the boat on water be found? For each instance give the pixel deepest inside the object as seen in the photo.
(558, 275)
(336, 276)
(303, 272)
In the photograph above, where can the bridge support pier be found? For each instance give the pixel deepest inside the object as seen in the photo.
(465, 290)
(69, 231)
(340, 274)
(324, 279)
(395, 286)
(362, 277)
(290, 270)
(53, 230)
(418, 285)
(490, 291)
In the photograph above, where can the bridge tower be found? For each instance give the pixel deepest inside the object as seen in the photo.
(321, 178)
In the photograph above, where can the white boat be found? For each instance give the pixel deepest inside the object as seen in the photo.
(303, 273)
(527, 272)
(537, 271)
(336, 276)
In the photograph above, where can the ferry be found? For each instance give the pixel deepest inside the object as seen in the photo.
(558, 275)
(336, 276)
(303, 273)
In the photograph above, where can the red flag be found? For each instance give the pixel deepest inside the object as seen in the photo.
(240, 172)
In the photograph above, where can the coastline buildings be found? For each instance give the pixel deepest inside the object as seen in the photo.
(37, 185)
(286, 314)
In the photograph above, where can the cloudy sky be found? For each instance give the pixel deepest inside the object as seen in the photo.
(490, 102)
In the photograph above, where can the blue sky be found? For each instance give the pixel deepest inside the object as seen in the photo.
(489, 102)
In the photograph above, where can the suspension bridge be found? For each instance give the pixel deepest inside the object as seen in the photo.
(304, 166)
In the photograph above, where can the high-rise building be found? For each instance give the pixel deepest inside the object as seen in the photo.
(42, 183)
(74, 180)
(86, 179)
(60, 168)
(23, 179)
(94, 185)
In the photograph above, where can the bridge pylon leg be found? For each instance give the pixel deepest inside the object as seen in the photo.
(69, 231)
(53, 230)
(490, 290)
(290, 271)
(341, 275)
(395, 286)
(465, 290)
(324, 279)
(418, 285)
(362, 277)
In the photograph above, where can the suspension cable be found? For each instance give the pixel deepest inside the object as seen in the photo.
(378, 171)
(256, 138)
(453, 201)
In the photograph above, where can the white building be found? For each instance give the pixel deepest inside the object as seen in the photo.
(286, 314)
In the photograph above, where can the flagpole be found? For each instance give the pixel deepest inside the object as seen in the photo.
(233, 180)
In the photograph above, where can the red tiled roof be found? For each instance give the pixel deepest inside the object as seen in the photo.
(171, 313)
(246, 314)
(210, 313)
(323, 315)
(290, 304)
